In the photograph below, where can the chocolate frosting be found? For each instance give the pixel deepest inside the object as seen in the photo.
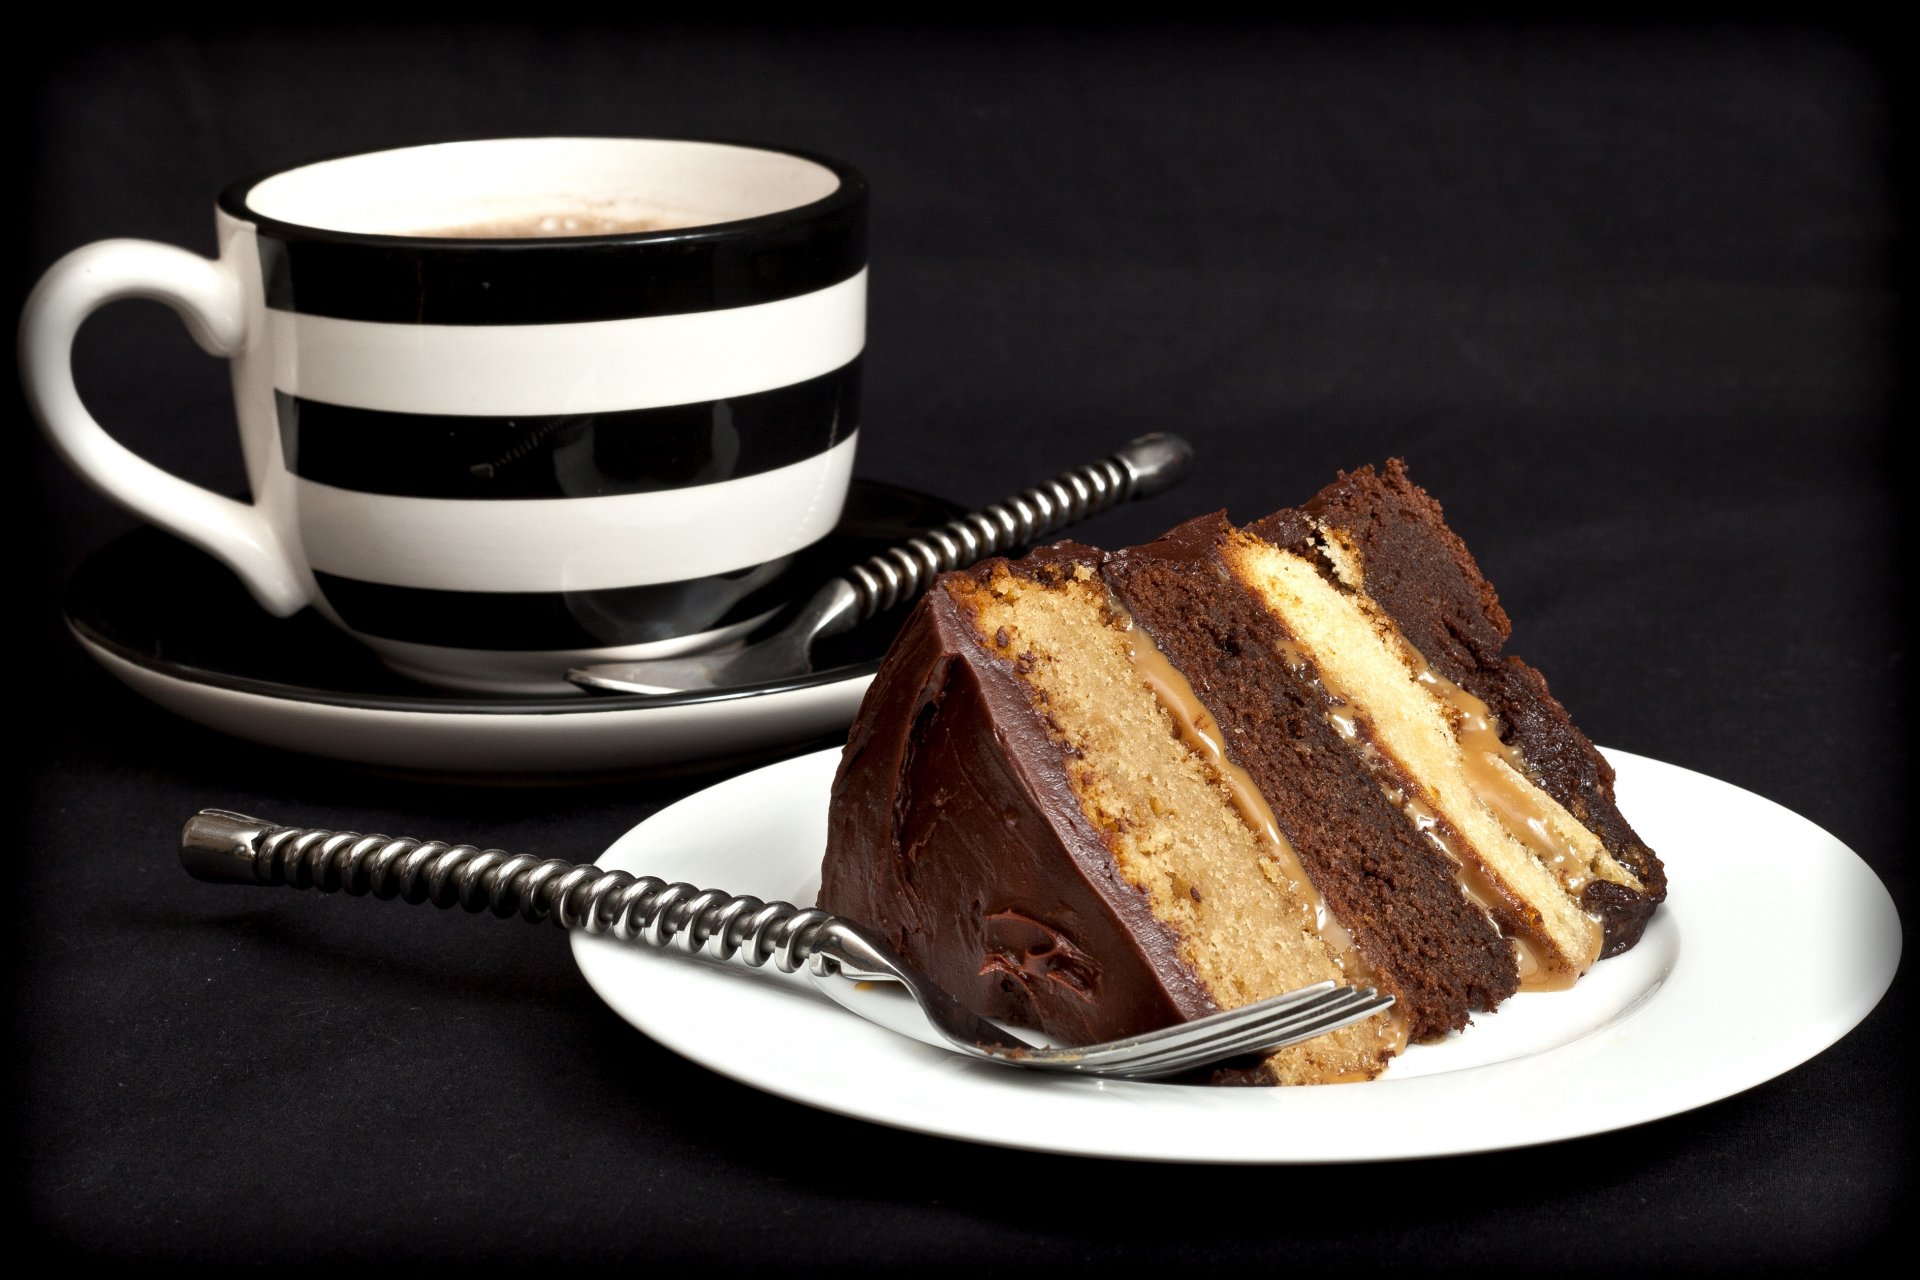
(951, 811)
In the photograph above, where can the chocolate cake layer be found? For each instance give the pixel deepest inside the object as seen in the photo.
(955, 832)
(1387, 886)
(1422, 575)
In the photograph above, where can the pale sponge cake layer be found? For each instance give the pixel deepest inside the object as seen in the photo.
(1164, 812)
(1371, 675)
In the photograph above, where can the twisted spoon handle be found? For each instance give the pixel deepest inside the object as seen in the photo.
(1143, 467)
(220, 845)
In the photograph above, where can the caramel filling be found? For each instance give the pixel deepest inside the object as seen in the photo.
(1200, 731)
(1536, 972)
(1498, 774)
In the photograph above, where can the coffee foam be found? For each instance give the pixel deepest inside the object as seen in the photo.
(562, 222)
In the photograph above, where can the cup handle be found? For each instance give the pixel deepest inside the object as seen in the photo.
(207, 296)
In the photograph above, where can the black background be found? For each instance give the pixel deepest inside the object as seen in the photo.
(1626, 298)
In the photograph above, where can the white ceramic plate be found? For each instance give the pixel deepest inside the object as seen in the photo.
(1735, 982)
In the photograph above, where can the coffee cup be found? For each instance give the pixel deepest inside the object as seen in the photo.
(507, 406)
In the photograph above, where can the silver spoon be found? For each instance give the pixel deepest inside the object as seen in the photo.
(1145, 466)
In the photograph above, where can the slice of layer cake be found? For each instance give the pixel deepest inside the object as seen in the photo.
(1094, 793)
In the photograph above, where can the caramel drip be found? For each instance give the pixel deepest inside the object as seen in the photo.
(1200, 731)
(1479, 889)
(1497, 772)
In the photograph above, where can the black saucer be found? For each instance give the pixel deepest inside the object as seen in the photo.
(168, 608)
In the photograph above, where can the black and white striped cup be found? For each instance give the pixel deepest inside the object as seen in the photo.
(487, 442)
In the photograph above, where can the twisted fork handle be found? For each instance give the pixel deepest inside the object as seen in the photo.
(220, 845)
(1144, 466)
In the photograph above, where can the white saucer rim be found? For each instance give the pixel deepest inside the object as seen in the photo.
(535, 748)
(100, 649)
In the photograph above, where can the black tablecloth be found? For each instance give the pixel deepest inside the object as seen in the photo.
(1625, 298)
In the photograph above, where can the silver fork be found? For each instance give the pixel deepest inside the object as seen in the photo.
(219, 845)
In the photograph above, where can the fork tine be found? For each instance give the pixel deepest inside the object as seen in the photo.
(1330, 1017)
(1168, 1065)
(1229, 1026)
(1256, 1033)
(1227, 1023)
(1269, 1024)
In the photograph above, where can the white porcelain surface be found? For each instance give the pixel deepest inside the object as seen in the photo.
(1734, 983)
(586, 367)
(412, 190)
(220, 301)
(612, 541)
(591, 739)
